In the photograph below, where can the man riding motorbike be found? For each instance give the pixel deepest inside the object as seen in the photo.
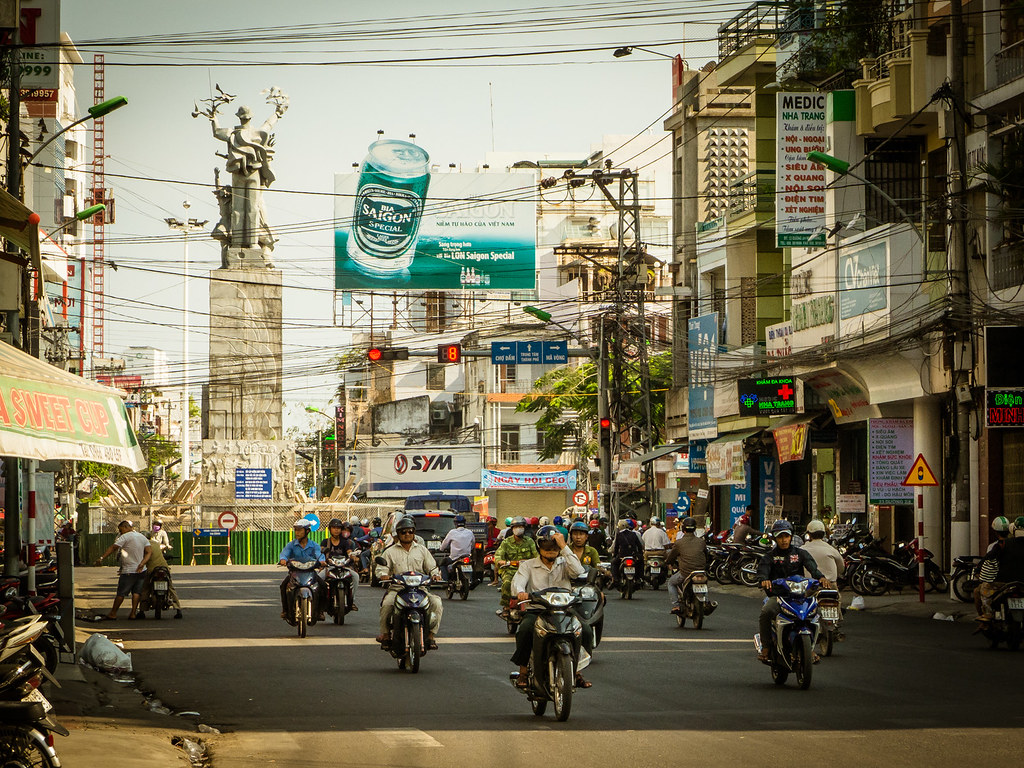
(744, 529)
(553, 567)
(597, 538)
(516, 547)
(1003, 563)
(689, 553)
(655, 539)
(458, 544)
(586, 554)
(402, 557)
(303, 550)
(627, 544)
(156, 562)
(828, 558)
(339, 543)
(781, 562)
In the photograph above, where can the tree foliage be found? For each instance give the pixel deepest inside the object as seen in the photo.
(158, 451)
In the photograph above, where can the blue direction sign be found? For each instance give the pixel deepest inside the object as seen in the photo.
(555, 352)
(210, 531)
(254, 483)
(529, 352)
(503, 353)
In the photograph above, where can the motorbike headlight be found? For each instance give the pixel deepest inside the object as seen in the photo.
(797, 588)
(558, 599)
(588, 593)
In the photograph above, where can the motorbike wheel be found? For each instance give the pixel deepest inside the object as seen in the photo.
(963, 587)
(804, 663)
(698, 614)
(19, 750)
(873, 584)
(47, 647)
(936, 578)
(722, 575)
(414, 648)
(464, 588)
(302, 606)
(779, 674)
(540, 706)
(826, 641)
(748, 579)
(339, 608)
(158, 605)
(450, 589)
(562, 687)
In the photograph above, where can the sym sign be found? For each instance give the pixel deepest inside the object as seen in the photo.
(401, 471)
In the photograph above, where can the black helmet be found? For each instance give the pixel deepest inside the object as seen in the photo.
(519, 521)
(335, 523)
(406, 523)
(347, 526)
(460, 520)
(546, 534)
(688, 524)
(782, 526)
(376, 522)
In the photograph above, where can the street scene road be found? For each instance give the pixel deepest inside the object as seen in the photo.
(899, 688)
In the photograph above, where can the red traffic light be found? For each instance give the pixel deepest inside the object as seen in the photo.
(606, 423)
(377, 354)
(449, 353)
(374, 354)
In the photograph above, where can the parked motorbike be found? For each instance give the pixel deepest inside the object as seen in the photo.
(794, 631)
(460, 577)
(26, 726)
(1007, 624)
(409, 621)
(556, 655)
(591, 601)
(654, 568)
(965, 577)
(341, 580)
(694, 604)
(879, 574)
(628, 581)
(744, 561)
(303, 592)
(47, 609)
(830, 617)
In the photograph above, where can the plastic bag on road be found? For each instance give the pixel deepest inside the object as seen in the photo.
(102, 654)
(857, 604)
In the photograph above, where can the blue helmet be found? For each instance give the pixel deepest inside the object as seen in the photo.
(579, 525)
(782, 526)
(557, 520)
(546, 534)
(630, 523)
(460, 520)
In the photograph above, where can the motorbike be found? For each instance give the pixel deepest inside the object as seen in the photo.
(964, 578)
(46, 608)
(515, 614)
(830, 616)
(161, 581)
(744, 561)
(556, 655)
(409, 620)
(694, 605)
(460, 577)
(627, 577)
(1007, 624)
(490, 573)
(794, 631)
(880, 573)
(654, 566)
(26, 726)
(303, 593)
(341, 581)
(592, 601)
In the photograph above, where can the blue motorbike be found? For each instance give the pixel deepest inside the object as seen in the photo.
(794, 631)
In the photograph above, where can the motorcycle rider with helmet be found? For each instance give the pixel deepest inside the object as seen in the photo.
(1003, 563)
(554, 566)
(339, 543)
(689, 553)
(516, 547)
(402, 557)
(587, 555)
(458, 543)
(781, 562)
(828, 558)
(303, 550)
(627, 543)
(597, 538)
(744, 529)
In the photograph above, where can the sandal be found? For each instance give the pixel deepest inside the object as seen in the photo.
(583, 683)
(523, 682)
(431, 644)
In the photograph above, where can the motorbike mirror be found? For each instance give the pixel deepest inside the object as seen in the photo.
(380, 560)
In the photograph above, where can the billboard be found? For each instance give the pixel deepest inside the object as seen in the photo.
(799, 184)
(398, 225)
(398, 472)
(863, 277)
(39, 36)
(890, 457)
(702, 343)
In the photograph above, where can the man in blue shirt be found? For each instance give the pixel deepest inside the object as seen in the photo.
(302, 549)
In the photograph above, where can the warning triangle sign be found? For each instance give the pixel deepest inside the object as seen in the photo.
(920, 473)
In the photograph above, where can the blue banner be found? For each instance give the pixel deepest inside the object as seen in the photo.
(739, 497)
(529, 481)
(702, 346)
(254, 483)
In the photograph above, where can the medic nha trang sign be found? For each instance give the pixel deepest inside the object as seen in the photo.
(799, 183)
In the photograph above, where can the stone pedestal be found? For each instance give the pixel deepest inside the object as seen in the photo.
(244, 398)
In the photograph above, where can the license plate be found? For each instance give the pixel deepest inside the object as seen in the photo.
(1015, 603)
(433, 545)
(160, 586)
(467, 568)
(700, 589)
(655, 570)
(629, 570)
(830, 613)
(35, 695)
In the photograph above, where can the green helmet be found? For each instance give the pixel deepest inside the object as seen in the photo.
(1001, 525)
(508, 521)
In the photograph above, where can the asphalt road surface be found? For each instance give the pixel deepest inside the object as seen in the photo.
(899, 691)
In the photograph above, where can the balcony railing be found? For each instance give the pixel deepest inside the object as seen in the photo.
(760, 20)
(755, 191)
(1010, 63)
(1007, 266)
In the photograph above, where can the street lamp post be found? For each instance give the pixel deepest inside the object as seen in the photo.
(96, 111)
(185, 226)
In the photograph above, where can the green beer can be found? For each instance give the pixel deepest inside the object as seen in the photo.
(389, 203)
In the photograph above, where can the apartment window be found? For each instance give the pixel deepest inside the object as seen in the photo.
(895, 168)
(435, 376)
(506, 378)
(509, 438)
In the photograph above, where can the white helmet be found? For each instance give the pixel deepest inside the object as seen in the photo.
(303, 522)
(815, 526)
(656, 522)
(544, 521)
(1001, 525)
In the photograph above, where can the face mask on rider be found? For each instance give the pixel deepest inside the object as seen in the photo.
(518, 531)
(345, 534)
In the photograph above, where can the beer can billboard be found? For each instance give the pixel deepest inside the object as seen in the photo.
(400, 226)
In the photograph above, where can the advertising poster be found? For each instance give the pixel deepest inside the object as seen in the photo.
(799, 183)
(563, 480)
(862, 278)
(399, 472)
(791, 442)
(400, 226)
(891, 455)
(39, 33)
(768, 470)
(726, 464)
(702, 345)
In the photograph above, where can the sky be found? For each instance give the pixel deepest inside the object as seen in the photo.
(547, 83)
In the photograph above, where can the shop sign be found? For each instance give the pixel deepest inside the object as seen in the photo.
(775, 396)
(890, 457)
(702, 347)
(810, 314)
(725, 463)
(530, 481)
(800, 184)
(1004, 407)
(791, 442)
(862, 281)
(779, 340)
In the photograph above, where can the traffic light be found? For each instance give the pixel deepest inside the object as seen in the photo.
(379, 354)
(604, 440)
(449, 353)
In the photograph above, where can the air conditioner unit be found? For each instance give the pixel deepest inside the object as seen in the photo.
(440, 413)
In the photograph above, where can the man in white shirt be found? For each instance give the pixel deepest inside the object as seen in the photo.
(655, 538)
(827, 557)
(134, 549)
(458, 543)
(407, 555)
